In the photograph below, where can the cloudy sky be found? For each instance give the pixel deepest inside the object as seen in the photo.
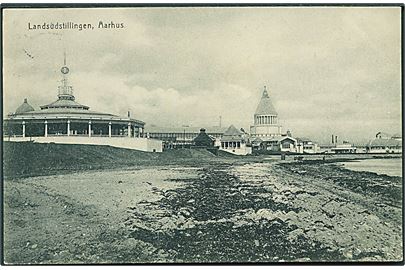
(328, 70)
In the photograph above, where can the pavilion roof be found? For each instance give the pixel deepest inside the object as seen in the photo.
(65, 103)
(385, 142)
(69, 113)
(233, 134)
(265, 106)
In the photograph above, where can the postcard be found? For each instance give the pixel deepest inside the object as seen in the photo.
(202, 134)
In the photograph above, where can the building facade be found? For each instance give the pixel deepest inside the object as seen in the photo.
(236, 142)
(265, 119)
(385, 143)
(266, 132)
(307, 146)
(67, 121)
(179, 137)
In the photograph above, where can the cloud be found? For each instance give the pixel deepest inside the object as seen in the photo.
(329, 70)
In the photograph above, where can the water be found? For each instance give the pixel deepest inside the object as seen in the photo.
(391, 167)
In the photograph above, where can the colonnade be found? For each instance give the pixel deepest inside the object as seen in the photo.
(266, 120)
(226, 145)
(68, 130)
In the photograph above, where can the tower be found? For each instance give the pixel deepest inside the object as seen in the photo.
(65, 91)
(265, 118)
(66, 99)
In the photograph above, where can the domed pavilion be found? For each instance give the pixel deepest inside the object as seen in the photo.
(265, 118)
(266, 131)
(67, 121)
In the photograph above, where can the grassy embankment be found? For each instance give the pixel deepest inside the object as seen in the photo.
(24, 159)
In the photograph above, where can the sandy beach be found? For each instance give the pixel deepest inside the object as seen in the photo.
(209, 210)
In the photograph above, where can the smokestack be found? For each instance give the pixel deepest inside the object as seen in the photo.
(129, 114)
(336, 140)
(332, 139)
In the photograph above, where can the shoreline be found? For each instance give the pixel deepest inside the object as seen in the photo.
(21, 159)
(213, 208)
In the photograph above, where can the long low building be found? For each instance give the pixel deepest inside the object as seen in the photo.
(67, 121)
(385, 143)
(177, 137)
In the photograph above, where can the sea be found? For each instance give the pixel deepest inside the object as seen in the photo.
(391, 166)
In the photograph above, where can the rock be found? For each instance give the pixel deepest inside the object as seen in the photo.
(265, 213)
(356, 252)
(34, 246)
(348, 254)
(293, 235)
(188, 224)
(184, 211)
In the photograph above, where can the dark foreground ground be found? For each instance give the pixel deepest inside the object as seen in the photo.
(190, 206)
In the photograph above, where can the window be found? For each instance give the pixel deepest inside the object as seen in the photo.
(286, 145)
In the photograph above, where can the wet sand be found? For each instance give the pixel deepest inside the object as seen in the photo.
(218, 211)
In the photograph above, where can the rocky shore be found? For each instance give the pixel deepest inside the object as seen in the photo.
(274, 213)
(205, 210)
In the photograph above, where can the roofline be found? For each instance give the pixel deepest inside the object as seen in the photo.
(113, 118)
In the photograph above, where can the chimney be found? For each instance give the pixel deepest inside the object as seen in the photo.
(25, 100)
(336, 141)
(129, 114)
(332, 139)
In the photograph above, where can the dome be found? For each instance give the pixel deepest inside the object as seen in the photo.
(25, 107)
(265, 106)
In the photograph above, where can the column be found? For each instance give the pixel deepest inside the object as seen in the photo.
(68, 127)
(23, 131)
(129, 129)
(136, 134)
(89, 128)
(46, 128)
(109, 129)
(140, 132)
